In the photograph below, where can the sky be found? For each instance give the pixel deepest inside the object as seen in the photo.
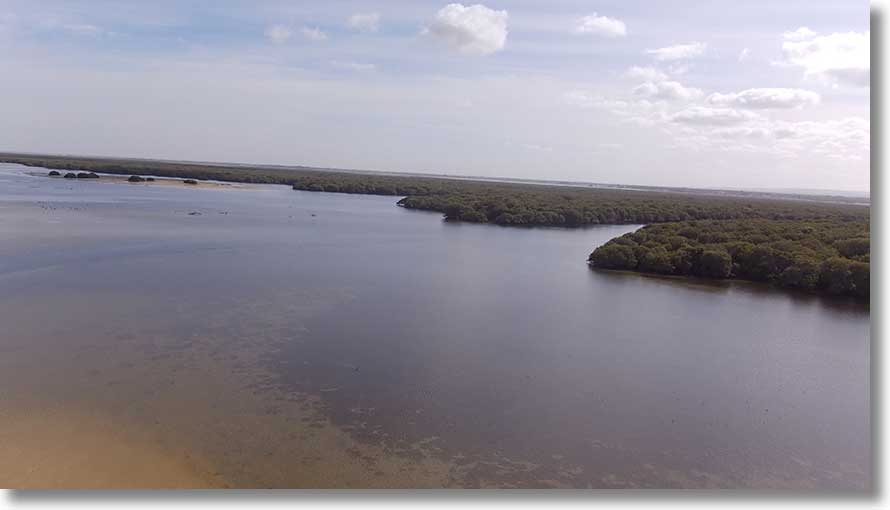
(754, 94)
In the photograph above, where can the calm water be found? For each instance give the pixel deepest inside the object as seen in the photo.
(493, 352)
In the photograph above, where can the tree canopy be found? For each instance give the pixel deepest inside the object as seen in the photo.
(824, 255)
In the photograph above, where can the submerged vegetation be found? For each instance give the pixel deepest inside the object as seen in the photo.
(805, 244)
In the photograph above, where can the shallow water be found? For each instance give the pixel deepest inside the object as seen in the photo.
(270, 337)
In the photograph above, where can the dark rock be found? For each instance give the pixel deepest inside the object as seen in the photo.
(53, 173)
(135, 178)
(71, 175)
(190, 181)
(150, 179)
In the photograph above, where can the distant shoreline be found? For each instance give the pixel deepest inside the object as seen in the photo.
(808, 247)
(281, 172)
(158, 181)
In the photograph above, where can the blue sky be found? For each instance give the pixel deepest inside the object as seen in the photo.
(694, 93)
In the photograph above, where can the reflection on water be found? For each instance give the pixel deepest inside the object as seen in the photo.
(267, 337)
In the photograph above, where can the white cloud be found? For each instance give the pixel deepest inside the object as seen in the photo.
(679, 51)
(838, 58)
(705, 116)
(645, 73)
(353, 66)
(587, 100)
(278, 33)
(840, 140)
(474, 30)
(744, 54)
(364, 22)
(314, 34)
(601, 25)
(766, 98)
(667, 90)
(82, 29)
(799, 34)
(742, 132)
(844, 139)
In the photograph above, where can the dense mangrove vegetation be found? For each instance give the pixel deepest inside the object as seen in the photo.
(806, 244)
(569, 206)
(507, 204)
(828, 255)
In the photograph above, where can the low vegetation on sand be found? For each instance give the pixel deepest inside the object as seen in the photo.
(802, 244)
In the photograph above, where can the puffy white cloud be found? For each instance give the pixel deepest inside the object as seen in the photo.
(766, 98)
(839, 58)
(364, 22)
(645, 73)
(601, 25)
(744, 54)
(278, 33)
(474, 30)
(799, 35)
(641, 112)
(353, 66)
(678, 51)
(667, 90)
(705, 116)
(313, 34)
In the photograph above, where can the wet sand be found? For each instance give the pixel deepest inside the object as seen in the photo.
(149, 413)
(68, 448)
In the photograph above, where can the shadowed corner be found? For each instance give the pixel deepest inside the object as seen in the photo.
(877, 204)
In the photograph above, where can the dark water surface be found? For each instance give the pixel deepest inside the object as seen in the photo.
(492, 354)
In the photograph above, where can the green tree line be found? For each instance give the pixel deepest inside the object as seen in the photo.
(822, 255)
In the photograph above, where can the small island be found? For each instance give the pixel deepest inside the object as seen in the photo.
(814, 255)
